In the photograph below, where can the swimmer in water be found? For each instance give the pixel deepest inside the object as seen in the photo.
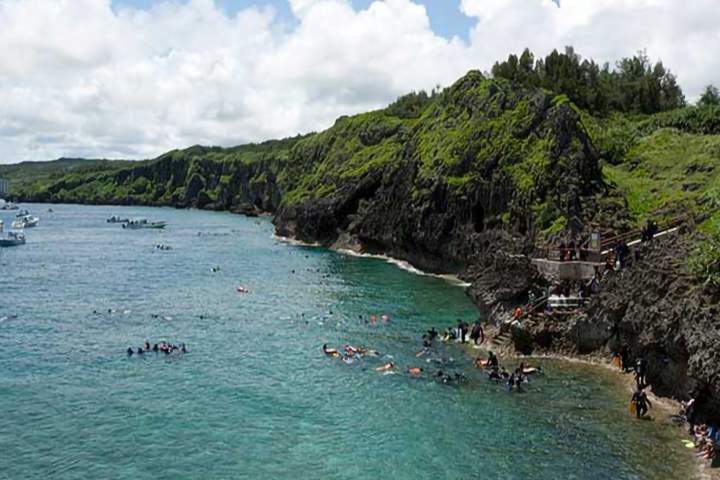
(130, 352)
(141, 351)
(155, 348)
(442, 378)
(495, 374)
(329, 351)
(415, 370)
(386, 367)
(147, 346)
(183, 349)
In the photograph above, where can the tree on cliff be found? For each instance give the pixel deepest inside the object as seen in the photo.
(634, 86)
(711, 97)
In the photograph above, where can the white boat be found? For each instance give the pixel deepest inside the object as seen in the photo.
(10, 206)
(142, 223)
(12, 239)
(28, 221)
(117, 219)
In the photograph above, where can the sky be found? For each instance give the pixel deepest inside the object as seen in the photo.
(134, 79)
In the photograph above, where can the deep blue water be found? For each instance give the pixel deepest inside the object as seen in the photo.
(255, 398)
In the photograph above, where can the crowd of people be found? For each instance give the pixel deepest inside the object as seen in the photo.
(162, 347)
(461, 333)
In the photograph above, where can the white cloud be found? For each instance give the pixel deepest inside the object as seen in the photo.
(684, 34)
(78, 77)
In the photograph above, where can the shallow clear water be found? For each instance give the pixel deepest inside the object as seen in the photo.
(255, 398)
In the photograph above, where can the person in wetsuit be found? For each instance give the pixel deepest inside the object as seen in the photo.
(477, 333)
(450, 334)
(130, 352)
(433, 334)
(492, 361)
(641, 402)
(519, 374)
(463, 327)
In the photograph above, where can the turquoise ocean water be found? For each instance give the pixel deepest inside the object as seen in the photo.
(255, 398)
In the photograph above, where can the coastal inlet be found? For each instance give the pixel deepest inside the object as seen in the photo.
(254, 397)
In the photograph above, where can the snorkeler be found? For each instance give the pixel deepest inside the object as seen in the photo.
(492, 361)
(386, 367)
(329, 351)
(415, 370)
(441, 377)
(450, 334)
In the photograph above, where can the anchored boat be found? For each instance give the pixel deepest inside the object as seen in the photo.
(142, 223)
(11, 239)
(28, 221)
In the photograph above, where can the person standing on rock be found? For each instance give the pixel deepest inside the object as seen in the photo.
(640, 372)
(690, 412)
(641, 402)
(532, 300)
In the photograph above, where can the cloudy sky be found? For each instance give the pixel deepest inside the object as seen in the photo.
(135, 78)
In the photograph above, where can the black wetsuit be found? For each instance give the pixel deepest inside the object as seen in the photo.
(641, 402)
(625, 358)
(464, 327)
(492, 361)
(477, 333)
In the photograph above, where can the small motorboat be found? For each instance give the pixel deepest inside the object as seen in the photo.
(143, 223)
(28, 221)
(12, 239)
(10, 206)
(117, 219)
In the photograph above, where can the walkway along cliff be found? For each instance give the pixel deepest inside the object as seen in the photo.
(470, 185)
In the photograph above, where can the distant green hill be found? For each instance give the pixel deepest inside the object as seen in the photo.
(31, 176)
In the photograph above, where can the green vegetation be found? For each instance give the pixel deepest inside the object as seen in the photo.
(33, 177)
(537, 147)
(635, 86)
